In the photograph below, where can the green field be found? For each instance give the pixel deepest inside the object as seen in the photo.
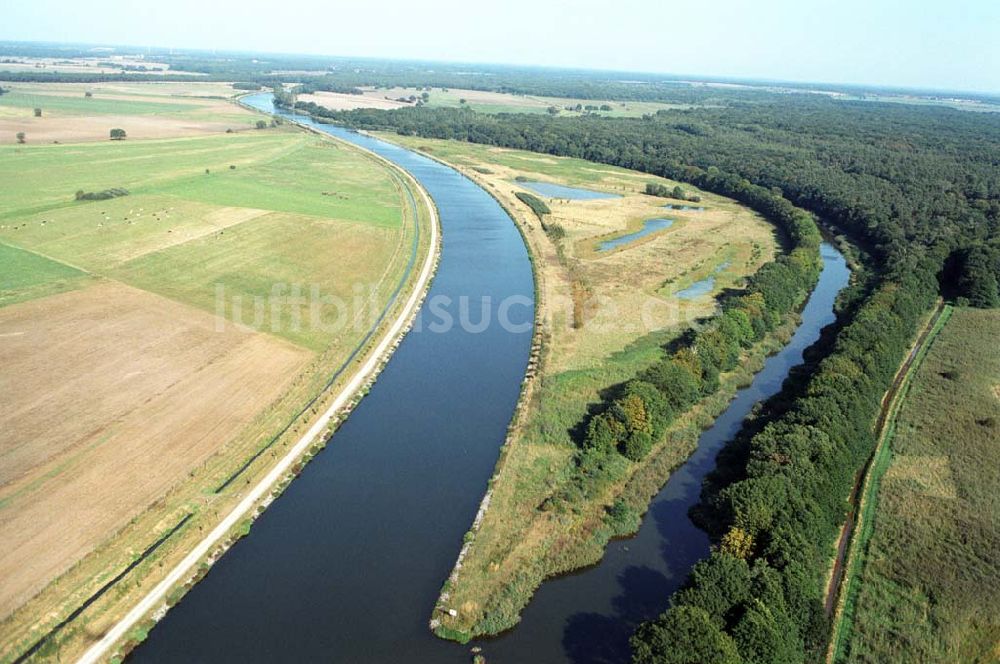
(24, 275)
(926, 588)
(296, 209)
(77, 104)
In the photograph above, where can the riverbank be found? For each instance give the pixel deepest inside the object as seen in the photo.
(555, 546)
(225, 507)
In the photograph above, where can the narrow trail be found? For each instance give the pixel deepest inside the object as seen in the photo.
(889, 402)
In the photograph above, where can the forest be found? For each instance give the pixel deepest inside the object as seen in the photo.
(917, 189)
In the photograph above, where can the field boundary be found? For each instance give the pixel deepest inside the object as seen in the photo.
(258, 496)
(843, 588)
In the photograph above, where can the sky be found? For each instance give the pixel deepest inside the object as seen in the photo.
(953, 44)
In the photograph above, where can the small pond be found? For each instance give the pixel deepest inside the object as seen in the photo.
(648, 226)
(552, 190)
(703, 287)
(684, 208)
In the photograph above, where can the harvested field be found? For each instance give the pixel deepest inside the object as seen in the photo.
(111, 395)
(143, 110)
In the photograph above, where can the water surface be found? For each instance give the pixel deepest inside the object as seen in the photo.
(648, 226)
(553, 190)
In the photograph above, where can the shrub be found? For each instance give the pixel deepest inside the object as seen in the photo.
(536, 204)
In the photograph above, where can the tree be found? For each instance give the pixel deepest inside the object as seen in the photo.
(463, 101)
(425, 96)
(762, 641)
(678, 192)
(117, 134)
(737, 543)
(683, 635)
(38, 112)
(675, 381)
(261, 124)
(88, 94)
(552, 110)
(604, 433)
(20, 137)
(717, 585)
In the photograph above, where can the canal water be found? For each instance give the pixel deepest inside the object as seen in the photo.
(347, 564)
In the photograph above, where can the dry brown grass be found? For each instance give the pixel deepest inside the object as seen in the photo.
(336, 101)
(68, 117)
(118, 394)
(628, 291)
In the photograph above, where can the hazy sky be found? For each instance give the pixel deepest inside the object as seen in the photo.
(951, 44)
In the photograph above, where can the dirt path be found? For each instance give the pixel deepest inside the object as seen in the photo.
(834, 586)
(156, 597)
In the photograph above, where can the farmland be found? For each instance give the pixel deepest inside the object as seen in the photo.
(606, 316)
(153, 340)
(921, 585)
(483, 101)
(143, 110)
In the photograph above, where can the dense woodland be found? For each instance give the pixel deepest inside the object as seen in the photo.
(919, 190)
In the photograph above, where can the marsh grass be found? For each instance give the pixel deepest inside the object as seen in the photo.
(927, 588)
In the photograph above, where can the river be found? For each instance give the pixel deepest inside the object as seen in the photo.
(347, 564)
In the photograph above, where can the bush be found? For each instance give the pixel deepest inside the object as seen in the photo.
(536, 204)
(637, 446)
(100, 195)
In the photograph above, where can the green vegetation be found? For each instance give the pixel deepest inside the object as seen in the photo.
(781, 491)
(537, 205)
(25, 275)
(639, 412)
(661, 190)
(181, 232)
(932, 547)
(114, 192)
(78, 105)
